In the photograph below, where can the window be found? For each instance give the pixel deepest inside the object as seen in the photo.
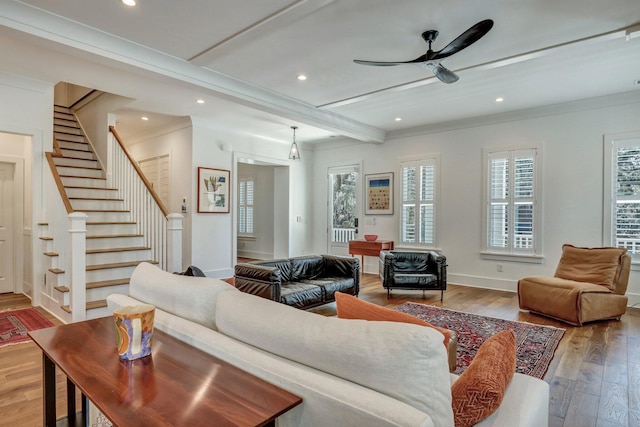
(512, 213)
(622, 192)
(419, 202)
(245, 204)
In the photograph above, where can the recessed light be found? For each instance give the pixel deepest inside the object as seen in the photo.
(145, 118)
(398, 119)
(200, 101)
(129, 2)
(302, 77)
(499, 99)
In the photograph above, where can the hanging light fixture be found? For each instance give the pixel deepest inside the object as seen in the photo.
(294, 153)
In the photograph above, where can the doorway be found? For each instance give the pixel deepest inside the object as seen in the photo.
(343, 207)
(7, 247)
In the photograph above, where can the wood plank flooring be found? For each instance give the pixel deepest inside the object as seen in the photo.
(594, 376)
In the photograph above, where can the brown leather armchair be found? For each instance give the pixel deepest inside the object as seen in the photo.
(589, 284)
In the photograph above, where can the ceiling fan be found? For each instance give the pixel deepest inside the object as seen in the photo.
(431, 59)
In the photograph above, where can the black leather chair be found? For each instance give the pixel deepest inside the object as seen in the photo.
(425, 271)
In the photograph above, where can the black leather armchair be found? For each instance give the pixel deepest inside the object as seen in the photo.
(425, 271)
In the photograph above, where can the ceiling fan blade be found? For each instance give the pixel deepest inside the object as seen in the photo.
(464, 40)
(445, 75)
(422, 58)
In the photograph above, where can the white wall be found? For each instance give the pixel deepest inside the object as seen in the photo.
(26, 108)
(175, 142)
(572, 140)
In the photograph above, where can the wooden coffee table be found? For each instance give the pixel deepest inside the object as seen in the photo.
(178, 385)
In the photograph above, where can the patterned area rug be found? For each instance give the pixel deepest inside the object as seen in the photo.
(536, 344)
(15, 324)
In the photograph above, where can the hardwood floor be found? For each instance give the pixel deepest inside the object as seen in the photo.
(594, 376)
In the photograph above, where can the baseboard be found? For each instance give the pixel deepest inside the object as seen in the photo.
(53, 307)
(483, 282)
(255, 254)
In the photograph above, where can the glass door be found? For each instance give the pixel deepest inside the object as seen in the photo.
(344, 182)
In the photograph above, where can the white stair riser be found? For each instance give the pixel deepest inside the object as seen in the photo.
(108, 216)
(115, 257)
(105, 229)
(67, 121)
(97, 313)
(63, 298)
(74, 153)
(54, 279)
(96, 193)
(102, 293)
(66, 138)
(76, 181)
(109, 274)
(67, 130)
(114, 242)
(83, 163)
(105, 205)
(81, 172)
(80, 146)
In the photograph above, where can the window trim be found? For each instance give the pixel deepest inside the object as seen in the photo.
(426, 159)
(610, 145)
(510, 254)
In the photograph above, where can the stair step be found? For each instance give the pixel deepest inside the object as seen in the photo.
(113, 236)
(51, 254)
(110, 250)
(96, 285)
(46, 238)
(56, 270)
(42, 224)
(61, 288)
(115, 265)
(90, 305)
(97, 199)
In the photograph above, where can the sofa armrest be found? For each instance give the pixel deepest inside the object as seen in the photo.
(343, 266)
(385, 266)
(440, 266)
(259, 280)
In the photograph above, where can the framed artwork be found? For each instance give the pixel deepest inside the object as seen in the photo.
(379, 194)
(213, 190)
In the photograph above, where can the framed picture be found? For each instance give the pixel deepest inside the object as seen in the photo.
(379, 194)
(213, 190)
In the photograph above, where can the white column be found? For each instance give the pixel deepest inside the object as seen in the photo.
(174, 242)
(110, 164)
(78, 262)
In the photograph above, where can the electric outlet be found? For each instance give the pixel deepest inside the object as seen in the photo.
(499, 268)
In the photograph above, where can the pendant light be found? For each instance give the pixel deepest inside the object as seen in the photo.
(294, 153)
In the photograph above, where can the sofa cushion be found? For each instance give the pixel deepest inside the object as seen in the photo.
(480, 389)
(411, 262)
(373, 354)
(331, 285)
(306, 267)
(193, 298)
(300, 295)
(350, 307)
(592, 265)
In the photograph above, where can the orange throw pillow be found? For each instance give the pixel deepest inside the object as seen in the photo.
(350, 307)
(480, 389)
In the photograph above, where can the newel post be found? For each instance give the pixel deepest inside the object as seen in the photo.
(110, 166)
(78, 263)
(174, 242)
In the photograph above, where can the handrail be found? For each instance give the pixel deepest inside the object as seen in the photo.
(146, 182)
(59, 184)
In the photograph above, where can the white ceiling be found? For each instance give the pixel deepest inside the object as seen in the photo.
(243, 59)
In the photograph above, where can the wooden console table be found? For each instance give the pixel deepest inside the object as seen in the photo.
(368, 248)
(178, 385)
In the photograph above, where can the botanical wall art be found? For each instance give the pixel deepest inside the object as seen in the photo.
(379, 194)
(213, 190)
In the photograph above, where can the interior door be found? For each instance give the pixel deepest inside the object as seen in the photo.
(343, 207)
(6, 228)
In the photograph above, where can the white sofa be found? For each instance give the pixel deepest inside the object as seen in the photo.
(348, 372)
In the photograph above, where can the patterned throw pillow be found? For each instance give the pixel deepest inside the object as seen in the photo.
(480, 389)
(350, 307)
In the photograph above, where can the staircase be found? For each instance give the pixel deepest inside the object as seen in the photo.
(114, 247)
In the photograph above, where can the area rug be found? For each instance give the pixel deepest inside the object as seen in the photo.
(536, 344)
(15, 325)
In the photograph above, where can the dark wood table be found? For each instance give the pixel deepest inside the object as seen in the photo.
(177, 385)
(368, 248)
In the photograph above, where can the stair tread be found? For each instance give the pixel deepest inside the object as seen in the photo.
(46, 238)
(61, 288)
(83, 177)
(110, 222)
(78, 158)
(101, 210)
(56, 270)
(76, 149)
(90, 305)
(100, 199)
(111, 250)
(107, 236)
(43, 223)
(79, 167)
(117, 265)
(107, 283)
(80, 187)
(51, 254)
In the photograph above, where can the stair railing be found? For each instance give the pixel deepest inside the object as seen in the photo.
(163, 232)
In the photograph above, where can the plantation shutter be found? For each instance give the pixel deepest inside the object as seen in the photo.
(511, 200)
(627, 196)
(245, 205)
(418, 202)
